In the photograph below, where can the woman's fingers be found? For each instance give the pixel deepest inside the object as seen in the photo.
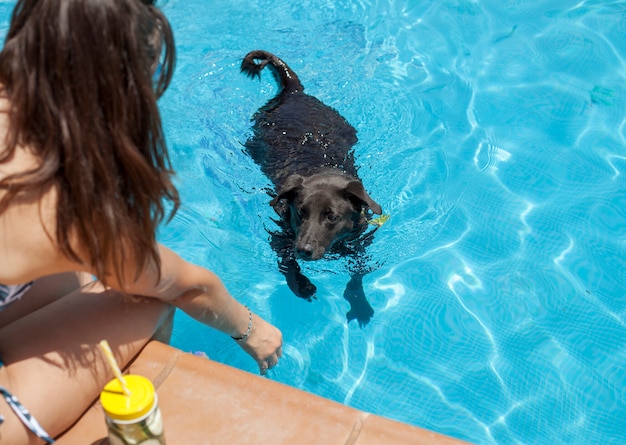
(264, 344)
(270, 361)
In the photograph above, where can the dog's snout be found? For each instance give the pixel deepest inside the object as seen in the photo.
(309, 250)
(305, 251)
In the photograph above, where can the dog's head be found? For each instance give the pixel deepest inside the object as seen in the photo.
(323, 209)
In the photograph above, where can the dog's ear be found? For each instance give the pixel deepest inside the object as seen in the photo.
(287, 191)
(356, 190)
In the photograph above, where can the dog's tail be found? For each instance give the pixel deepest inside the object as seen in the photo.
(255, 61)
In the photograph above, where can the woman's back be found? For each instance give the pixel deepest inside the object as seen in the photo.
(28, 225)
(82, 84)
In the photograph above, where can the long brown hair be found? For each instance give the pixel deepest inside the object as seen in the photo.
(82, 78)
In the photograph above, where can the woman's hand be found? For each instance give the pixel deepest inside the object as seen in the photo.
(264, 344)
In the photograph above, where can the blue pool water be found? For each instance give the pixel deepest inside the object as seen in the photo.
(494, 135)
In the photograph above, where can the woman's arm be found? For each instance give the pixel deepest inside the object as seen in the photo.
(202, 295)
(28, 252)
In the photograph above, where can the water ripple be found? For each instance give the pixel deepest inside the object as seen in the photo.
(493, 135)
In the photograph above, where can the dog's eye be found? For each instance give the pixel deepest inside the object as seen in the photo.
(332, 217)
(302, 212)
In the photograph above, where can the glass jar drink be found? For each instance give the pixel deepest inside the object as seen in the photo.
(133, 419)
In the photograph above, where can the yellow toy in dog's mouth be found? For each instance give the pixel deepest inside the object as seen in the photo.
(379, 220)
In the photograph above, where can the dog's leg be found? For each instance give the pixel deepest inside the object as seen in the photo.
(299, 284)
(360, 308)
(359, 265)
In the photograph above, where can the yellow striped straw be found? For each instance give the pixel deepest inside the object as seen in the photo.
(108, 354)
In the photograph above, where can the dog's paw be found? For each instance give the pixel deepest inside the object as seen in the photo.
(360, 308)
(362, 315)
(300, 285)
(305, 289)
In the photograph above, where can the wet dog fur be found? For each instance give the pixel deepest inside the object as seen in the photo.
(305, 148)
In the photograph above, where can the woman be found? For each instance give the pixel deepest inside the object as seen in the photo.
(84, 172)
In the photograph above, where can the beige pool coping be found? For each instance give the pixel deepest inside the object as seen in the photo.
(205, 402)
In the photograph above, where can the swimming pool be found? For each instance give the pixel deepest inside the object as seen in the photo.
(494, 135)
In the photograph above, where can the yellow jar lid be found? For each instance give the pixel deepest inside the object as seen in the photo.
(119, 406)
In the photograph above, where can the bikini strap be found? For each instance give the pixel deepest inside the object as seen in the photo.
(22, 413)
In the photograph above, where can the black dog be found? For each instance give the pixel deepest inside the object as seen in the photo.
(305, 148)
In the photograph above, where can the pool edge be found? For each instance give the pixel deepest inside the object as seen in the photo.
(204, 402)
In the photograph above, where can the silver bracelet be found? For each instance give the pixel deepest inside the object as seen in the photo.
(245, 336)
